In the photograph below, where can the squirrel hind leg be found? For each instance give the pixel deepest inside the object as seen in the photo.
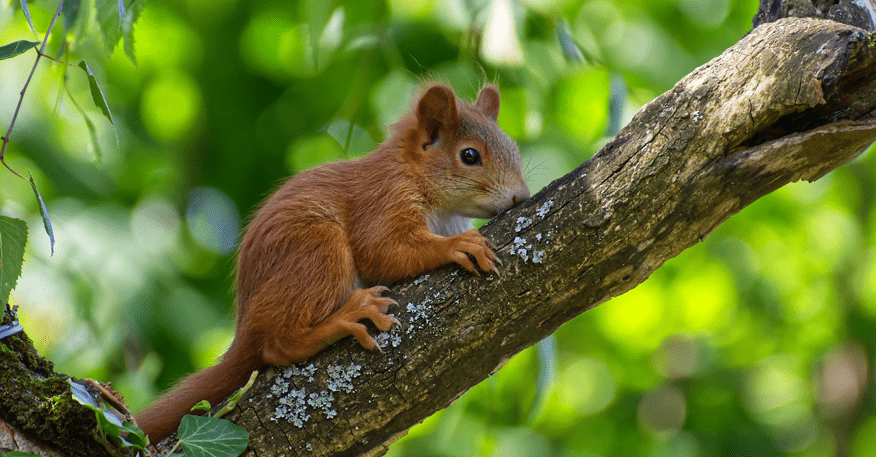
(362, 304)
(315, 301)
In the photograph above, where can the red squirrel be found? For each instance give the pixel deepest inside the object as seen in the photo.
(402, 210)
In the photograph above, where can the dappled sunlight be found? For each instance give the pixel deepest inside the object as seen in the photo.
(706, 300)
(635, 320)
(583, 96)
(171, 105)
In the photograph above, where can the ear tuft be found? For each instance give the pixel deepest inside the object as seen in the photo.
(436, 110)
(488, 101)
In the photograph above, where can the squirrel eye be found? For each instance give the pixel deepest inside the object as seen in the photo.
(470, 156)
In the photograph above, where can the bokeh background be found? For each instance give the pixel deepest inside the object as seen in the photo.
(759, 341)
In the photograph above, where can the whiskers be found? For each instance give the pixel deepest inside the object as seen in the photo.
(461, 191)
(531, 171)
(484, 183)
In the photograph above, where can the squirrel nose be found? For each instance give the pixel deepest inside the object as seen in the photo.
(520, 196)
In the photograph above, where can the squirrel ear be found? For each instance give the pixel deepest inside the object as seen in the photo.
(488, 101)
(437, 109)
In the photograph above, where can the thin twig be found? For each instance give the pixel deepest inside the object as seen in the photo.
(56, 60)
(40, 53)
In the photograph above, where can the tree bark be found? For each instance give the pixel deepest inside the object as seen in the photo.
(37, 411)
(859, 13)
(793, 100)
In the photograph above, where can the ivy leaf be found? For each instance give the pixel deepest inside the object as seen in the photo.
(98, 97)
(44, 212)
(136, 437)
(203, 436)
(10, 329)
(16, 48)
(128, 27)
(81, 395)
(19, 454)
(109, 424)
(27, 15)
(202, 405)
(13, 237)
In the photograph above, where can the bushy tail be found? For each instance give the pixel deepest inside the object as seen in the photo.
(214, 384)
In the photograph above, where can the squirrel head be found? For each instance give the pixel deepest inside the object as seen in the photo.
(472, 167)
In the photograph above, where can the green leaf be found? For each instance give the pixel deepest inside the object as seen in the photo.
(27, 15)
(70, 10)
(136, 437)
(110, 22)
(44, 212)
(128, 27)
(202, 405)
(98, 97)
(571, 51)
(19, 454)
(7, 330)
(81, 394)
(121, 12)
(232, 401)
(203, 436)
(13, 237)
(108, 422)
(16, 48)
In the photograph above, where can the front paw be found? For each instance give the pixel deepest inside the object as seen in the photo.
(471, 242)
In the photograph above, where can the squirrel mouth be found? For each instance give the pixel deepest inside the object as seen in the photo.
(486, 213)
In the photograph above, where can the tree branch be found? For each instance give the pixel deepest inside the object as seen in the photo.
(793, 100)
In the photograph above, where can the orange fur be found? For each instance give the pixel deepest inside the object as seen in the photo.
(328, 230)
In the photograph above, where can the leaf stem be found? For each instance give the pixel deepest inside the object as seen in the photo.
(175, 445)
(56, 60)
(24, 89)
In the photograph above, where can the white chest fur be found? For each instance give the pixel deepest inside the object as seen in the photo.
(447, 224)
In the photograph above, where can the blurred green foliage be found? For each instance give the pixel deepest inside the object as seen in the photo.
(758, 342)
